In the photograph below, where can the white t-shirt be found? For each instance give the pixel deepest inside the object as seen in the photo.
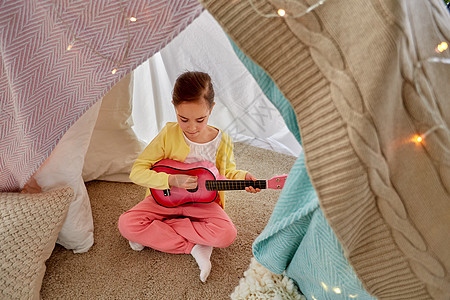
(203, 151)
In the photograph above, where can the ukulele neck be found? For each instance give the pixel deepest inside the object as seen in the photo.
(230, 185)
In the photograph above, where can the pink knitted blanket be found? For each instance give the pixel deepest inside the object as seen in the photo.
(57, 58)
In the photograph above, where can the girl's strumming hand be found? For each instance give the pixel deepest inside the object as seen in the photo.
(251, 189)
(183, 181)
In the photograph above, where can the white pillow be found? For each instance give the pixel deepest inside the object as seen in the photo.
(63, 168)
(114, 146)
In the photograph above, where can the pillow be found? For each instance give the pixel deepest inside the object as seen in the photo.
(63, 168)
(114, 146)
(29, 226)
(260, 283)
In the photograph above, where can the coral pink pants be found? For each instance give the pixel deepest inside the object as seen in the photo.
(178, 229)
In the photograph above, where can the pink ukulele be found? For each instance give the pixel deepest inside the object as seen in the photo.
(208, 185)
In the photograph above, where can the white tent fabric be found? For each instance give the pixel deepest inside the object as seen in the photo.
(241, 108)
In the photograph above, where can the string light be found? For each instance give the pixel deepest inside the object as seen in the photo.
(71, 44)
(325, 287)
(418, 139)
(117, 63)
(282, 13)
(421, 138)
(353, 296)
(337, 290)
(441, 47)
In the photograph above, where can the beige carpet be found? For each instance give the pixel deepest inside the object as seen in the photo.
(111, 270)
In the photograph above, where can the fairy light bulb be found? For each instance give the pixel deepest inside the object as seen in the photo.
(114, 71)
(417, 139)
(337, 290)
(133, 19)
(420, 138)
(71, 44)
(281, 12)
(441, 47)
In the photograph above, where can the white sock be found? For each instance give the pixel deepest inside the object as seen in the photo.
(136, 246)
(202, 254)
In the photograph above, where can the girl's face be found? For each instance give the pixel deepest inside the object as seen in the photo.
(192, 116)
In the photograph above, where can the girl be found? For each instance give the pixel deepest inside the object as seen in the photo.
(193, 228)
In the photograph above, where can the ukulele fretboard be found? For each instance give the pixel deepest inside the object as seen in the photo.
(228, 185)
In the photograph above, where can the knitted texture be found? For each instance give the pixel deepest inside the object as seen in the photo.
(29, 226)
(297, 240)
(358, 77)
(259, 283)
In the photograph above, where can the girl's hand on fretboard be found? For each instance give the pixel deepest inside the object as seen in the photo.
(250, 189)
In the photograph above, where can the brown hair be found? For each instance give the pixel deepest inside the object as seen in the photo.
(193, 86)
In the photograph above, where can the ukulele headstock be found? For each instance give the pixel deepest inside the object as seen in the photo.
(277, 182)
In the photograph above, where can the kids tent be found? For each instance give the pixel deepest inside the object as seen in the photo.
(62, 104)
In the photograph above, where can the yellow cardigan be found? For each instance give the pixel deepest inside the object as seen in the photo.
(170, 143)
